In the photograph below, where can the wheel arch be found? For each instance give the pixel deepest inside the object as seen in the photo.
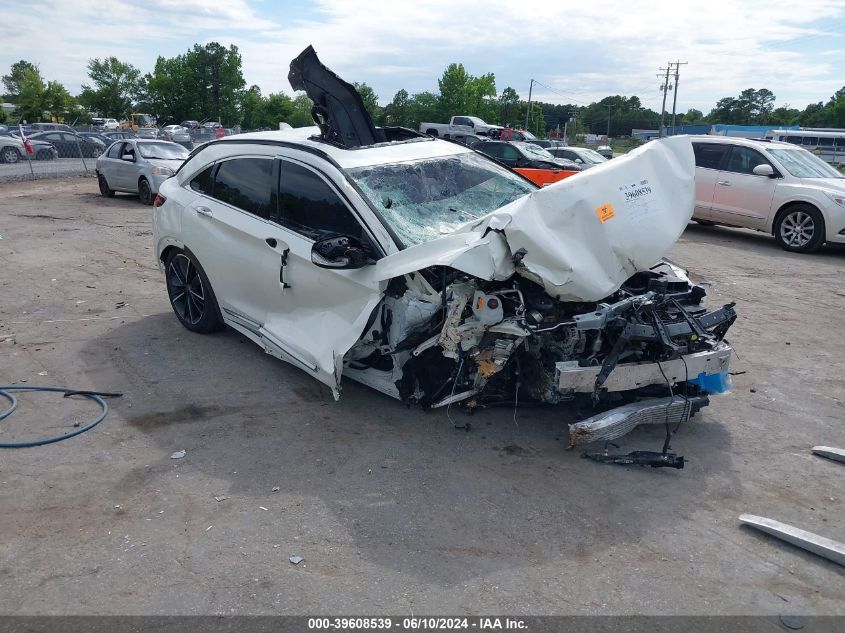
(786, 206)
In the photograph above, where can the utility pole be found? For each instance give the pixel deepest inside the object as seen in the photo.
(675, 97)
(608, 123)
(530, 87)
(664, 87)
(574, 114)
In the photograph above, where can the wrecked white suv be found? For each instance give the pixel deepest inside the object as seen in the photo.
(436, 275)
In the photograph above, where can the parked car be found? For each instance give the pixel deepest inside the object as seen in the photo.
(50, 127)
(120, 135)
(770, 186)
(177, 134)
(470, 140)
(437, 276)
(100, 137)
(212, 125)
(12, 149)
(531, 161)
(459, 125)
(147, 132)
(138, 166)
(546, 143)
(605, 150)
(71, 145)
(111, 124)
(583, 156)
(190, 124)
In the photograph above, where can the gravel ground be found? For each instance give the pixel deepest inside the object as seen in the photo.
(47, 169)
(392, 510)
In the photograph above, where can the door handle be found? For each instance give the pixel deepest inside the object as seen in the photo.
(271, 242)
(724, 183)
(205, 211)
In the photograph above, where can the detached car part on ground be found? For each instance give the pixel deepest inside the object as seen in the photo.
(439, 277)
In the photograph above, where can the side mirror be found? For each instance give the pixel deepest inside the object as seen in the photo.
(578, 160)
(128, 157)
(340, 252)
(764, 170)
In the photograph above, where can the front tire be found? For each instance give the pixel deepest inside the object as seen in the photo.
(145, 193)
(190, 293)
(9, 155)
(800, 229)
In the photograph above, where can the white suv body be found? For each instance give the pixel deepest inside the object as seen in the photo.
(769, 186)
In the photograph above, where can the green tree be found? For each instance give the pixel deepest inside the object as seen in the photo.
(31, 95)
(301, 115)
(693, 116)
(279, 108)
(482, 97)
(14, 79)
(455, 91)
(57, 101)
(509, 106)
(370, 99)
(219, 80)
(116, 85)
(424, 106)
(398, 111)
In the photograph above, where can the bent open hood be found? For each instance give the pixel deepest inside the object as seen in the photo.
(581, 237)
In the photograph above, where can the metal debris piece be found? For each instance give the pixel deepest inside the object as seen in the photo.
(208, 528)
(220, 498)
(296, 559)
(179, 454)
(836, 454)
(617, 422)
(640, 458)
(819, 545)
(275, 489)
(262, 508)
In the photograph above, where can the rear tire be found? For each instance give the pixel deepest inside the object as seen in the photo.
(190, 293)
(145, 193)
(9, 155)
(104, 187)
(800, 229)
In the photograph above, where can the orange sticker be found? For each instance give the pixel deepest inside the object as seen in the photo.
(605, 212)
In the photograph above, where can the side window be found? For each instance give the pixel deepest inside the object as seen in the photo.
(462, 120)
(311, 207)
(492, 149)
(709, 155)
(114, 150)
(203, 182)
(796, 140)
(810, 140)
(509, 152)
(743, 160)
(245, 183)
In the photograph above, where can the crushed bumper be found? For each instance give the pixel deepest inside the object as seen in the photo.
(705, 368)
(617, 422)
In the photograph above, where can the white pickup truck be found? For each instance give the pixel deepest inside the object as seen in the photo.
(458, 125)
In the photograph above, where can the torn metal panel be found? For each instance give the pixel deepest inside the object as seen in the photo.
(836, 454)
(622, 420)
(819, 545)
(338, 108)
(583, 237)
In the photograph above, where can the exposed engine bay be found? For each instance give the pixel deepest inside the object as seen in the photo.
(441, 337)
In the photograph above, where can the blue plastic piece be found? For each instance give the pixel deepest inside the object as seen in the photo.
(713, 383)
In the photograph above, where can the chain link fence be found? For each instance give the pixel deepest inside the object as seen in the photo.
(67, 151)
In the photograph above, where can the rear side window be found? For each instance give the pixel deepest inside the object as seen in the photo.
(709, 155)
(203, 182)
(245, 183)
(114, 150)
(311, 207)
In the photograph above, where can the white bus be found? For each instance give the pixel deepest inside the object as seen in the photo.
(827, 145)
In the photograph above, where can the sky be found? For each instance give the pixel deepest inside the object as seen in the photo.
(578, 53)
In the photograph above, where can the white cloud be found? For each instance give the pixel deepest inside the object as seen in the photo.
(586, 51)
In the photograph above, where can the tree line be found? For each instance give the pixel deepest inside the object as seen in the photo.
(206, 83)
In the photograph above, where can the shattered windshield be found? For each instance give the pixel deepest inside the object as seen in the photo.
(422, 200)
(535, 151)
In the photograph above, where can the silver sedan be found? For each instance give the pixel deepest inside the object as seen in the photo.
(138, 166)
